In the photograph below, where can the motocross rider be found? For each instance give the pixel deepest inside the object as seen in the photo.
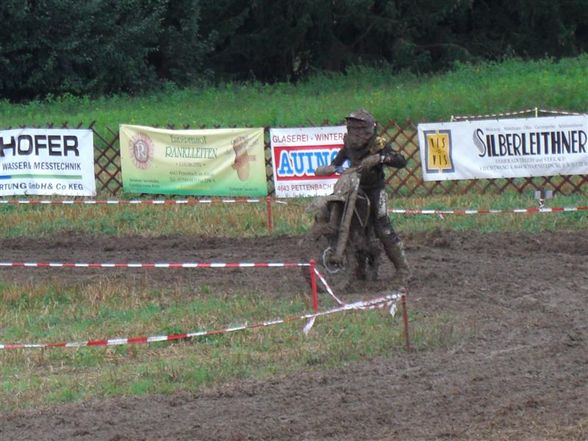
(360, 142)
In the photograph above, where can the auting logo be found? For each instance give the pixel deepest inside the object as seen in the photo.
(438, 151)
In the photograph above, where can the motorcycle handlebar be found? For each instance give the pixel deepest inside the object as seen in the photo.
(370, 161)
(325, 170)
(367, 163)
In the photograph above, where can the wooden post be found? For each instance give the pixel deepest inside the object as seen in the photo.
(268, 203)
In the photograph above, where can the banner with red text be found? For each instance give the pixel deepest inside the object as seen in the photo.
(297, 152)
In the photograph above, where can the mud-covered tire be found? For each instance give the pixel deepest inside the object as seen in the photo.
(338, 279)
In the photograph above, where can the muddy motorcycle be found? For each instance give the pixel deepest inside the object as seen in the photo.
(342, 237)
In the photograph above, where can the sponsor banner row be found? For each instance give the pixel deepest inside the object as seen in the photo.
(231, 162)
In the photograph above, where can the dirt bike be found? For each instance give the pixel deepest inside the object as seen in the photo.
(342, 237)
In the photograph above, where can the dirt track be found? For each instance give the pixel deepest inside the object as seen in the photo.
(522, 374)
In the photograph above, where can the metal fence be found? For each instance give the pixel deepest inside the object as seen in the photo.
(404, 182)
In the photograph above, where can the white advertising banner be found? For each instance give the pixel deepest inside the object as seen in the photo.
(297, 152)
(505, 148)
(47, 162)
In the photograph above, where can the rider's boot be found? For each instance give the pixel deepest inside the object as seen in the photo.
(361, 271)
(395, 252)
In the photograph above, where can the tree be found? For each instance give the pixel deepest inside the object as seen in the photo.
(54, 47)
(106, 46)
(181, 52)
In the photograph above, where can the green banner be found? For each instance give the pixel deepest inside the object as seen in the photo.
(208, 162)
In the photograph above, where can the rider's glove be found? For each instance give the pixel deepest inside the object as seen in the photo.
(339, 169)
(393, 159)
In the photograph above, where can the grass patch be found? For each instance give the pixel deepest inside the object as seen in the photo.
(505, 221)
(250, 220)
(469, 89)
(33, 378)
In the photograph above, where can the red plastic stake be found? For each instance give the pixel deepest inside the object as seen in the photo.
(313, 285)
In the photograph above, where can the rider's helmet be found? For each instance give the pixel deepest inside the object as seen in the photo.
(361, 126)
(361, 117)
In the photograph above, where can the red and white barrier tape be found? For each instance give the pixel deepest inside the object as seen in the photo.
(494, 115)
(367, 304)
(328, 288)
(172, 265)
(189, 201)
(488, 211)
(392, 306)
(193, 201)
(536, 111)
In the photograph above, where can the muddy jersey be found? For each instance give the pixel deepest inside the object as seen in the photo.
(373, 178)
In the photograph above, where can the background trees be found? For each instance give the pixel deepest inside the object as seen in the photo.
(102, 47)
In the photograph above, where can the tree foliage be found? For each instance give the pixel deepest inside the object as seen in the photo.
(105, 46)
(95, 47)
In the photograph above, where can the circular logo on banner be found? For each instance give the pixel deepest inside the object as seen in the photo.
(141, 150)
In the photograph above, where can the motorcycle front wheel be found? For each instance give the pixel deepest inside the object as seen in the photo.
(337, 274)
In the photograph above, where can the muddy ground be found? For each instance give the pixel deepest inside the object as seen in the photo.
(521, 373)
